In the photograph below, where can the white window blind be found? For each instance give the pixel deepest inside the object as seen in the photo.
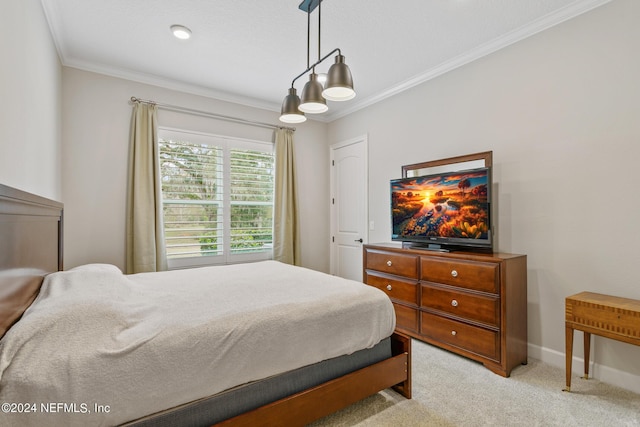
(217, 198)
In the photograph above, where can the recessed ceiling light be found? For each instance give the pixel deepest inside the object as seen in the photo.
(181, 32)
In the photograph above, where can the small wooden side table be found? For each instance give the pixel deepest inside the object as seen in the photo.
(608, 316)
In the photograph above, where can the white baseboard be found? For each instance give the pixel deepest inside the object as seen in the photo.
(600, 372)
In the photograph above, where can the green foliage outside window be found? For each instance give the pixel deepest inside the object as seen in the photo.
(194, 199)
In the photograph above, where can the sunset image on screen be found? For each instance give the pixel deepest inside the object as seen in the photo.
(447, 205)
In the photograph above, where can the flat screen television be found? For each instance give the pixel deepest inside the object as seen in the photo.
(443, 211)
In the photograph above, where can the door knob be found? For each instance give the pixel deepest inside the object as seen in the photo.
(358, 240)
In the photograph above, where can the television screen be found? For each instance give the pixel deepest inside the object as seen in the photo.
(451, 208)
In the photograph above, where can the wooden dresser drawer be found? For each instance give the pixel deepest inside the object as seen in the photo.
(406, 317)
(389, 262)
(475, 339)
(470, 303)
(480, 276)
(403, 290)
(480, 308)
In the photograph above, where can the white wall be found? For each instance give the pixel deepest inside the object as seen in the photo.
(96, 123)
(30, 94)
(561, 113)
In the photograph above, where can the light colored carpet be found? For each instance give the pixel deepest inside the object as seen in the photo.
(450, 390)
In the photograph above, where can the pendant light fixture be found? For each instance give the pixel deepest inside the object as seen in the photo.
(290, 112)
(312, 100)
(338, 87)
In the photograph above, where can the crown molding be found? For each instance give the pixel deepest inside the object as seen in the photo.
(575, 9)
(53, 20)
(571, 11)
(55, 24)
(171, 84)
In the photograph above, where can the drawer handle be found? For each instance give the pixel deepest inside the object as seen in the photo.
(454, 303)
(454, 273)
(389, 287)
(453, 333)
(389, 263)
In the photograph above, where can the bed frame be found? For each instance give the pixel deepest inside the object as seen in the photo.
(31, 230)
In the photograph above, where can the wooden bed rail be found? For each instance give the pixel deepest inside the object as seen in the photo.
(312, 404)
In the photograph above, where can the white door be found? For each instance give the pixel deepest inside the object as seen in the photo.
(349, 212)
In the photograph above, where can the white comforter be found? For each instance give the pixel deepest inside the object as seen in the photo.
(100, 348)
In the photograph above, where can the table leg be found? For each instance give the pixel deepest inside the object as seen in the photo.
(587, 352)
(568, 354)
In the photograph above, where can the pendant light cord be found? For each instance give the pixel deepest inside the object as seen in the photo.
(316, 63)
(308, 33)
(313, 66)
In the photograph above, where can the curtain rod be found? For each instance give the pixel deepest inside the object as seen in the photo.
(208, 114)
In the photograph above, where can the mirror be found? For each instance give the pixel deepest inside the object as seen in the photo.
(469, 161)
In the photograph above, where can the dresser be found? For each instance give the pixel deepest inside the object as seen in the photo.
(469, 303)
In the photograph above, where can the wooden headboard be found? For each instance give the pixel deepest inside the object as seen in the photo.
(30, 248)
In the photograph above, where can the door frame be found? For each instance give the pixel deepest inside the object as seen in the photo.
(364, 140)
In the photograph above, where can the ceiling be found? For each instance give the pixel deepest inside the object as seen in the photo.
(249, 51)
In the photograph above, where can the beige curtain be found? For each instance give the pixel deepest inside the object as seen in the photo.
(145, 240)
(286, 246)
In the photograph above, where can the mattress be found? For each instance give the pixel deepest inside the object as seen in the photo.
(246, 397)
(101, 348)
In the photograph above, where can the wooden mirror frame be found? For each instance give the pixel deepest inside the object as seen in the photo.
(487, 156)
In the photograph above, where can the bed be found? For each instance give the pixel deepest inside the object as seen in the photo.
(91, 345)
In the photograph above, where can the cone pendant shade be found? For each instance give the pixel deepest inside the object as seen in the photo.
(290, 112)
(339, 86)
(312, 100)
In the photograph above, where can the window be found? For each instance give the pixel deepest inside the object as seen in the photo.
(217, 196)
